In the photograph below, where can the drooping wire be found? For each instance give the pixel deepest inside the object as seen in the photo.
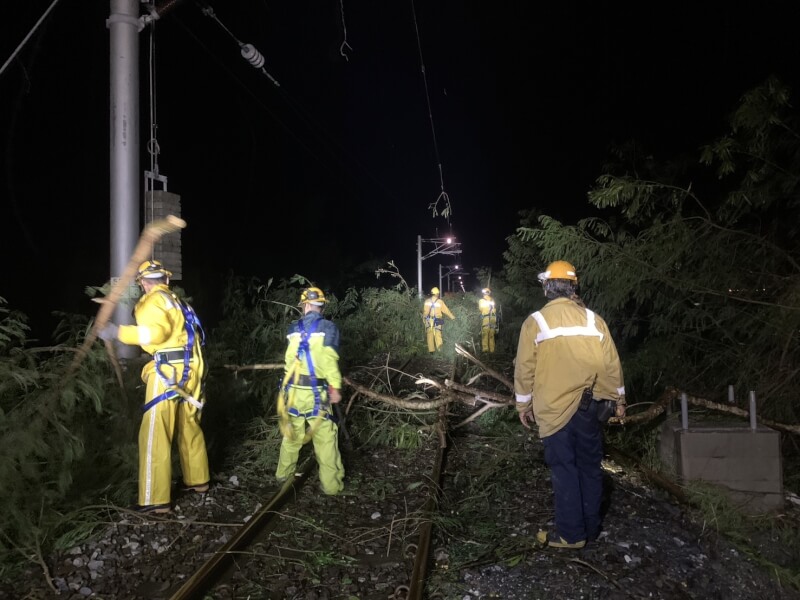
(344, 30)
(249, 52)
(301, 113)
(27, 37)
(443, 196)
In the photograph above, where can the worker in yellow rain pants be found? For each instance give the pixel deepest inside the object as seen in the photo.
(311, 383)
(488, 310)
(168, 329)
(432, 315)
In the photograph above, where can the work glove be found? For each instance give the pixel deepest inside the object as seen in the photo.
(109, 332)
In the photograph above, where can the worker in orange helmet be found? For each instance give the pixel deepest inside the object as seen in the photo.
(432, 315)
(568, 380)
(488, 310)
(168, 329)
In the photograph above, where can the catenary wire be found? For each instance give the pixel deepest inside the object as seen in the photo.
(299, 111)
(443, 195)
(27, 37)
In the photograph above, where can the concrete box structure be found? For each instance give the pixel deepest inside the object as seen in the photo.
(746, 463)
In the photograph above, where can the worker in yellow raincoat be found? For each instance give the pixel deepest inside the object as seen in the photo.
(311, 383)
(432, 315)
(168, 329)
(488, 310)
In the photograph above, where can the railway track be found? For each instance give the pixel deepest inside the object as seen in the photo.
(447, 521)
(285, 551)
(374, 541)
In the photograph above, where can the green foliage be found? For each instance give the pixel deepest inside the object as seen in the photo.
(391, 427)
(381, 321)
(696, 272)
(56, 435)
(766, 539)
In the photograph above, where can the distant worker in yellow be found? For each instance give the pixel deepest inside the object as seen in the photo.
(432, 315)
(488, 310)
(168, 329)
(311, 383)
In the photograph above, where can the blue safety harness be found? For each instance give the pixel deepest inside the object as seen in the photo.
(304, 350)
(432, 320)
(194, 333)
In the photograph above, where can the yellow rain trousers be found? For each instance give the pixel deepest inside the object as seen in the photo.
(488, 323)
(325, 441)
(160, 327)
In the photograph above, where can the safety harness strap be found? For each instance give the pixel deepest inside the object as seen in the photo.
(168, 395)
(304, 351)
(164, 358)
(310, 414)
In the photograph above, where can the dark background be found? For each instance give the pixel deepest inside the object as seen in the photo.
(337, 166)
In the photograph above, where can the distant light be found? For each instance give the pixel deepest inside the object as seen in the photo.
(456, 267)
(449, 240)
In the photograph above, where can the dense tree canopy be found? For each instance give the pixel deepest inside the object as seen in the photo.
(695, 263)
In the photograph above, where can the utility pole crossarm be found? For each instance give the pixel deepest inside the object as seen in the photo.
(443, 246)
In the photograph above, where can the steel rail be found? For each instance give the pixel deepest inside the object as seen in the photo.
(419, 571)
(199, 584)
(207, 575)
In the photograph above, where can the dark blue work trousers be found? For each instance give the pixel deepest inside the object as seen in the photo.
(574, 454)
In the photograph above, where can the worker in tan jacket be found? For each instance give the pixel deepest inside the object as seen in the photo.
(566, 360)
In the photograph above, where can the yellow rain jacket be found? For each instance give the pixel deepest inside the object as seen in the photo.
(488, 311)
(323, 344)
(432, 313)
(161, 329)
(564, 349)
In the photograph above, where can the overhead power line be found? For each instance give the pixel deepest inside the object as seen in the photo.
(443, 197)
(27, 37)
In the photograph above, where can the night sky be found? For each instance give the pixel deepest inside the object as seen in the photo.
(337, 167)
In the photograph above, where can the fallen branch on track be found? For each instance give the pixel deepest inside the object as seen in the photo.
(489, 371)
(262, 367)
(152, 232)
(398, 402)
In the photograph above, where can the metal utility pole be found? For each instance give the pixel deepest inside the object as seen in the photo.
(124, 26)
(450, 271)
